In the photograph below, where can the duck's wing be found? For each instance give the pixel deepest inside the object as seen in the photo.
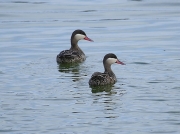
(68, 54)
(96, 74)
(99, 79)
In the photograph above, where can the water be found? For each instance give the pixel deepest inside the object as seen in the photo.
(38, 96)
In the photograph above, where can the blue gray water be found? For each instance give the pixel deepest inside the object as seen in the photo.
(38, 96)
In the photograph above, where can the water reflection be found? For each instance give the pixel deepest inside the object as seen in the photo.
(142, 63)
(89, 11)
(108, 102)
(24, 2)
(72, 69)
(135, 0)
(97, 89)
(69, 67)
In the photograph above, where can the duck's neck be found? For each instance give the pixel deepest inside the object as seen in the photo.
(107, 69)
(75, 47)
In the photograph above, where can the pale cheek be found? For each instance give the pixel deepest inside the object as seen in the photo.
(79, 37)
(111, 60)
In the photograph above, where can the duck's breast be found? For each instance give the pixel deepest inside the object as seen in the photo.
(100, 79)
(69, 56)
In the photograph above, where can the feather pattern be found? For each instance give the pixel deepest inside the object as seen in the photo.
(108, 77)
(101, 79)
(74, 54)
(70, 56)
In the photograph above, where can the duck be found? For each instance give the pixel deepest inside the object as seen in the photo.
(74, 54)
(108, 77)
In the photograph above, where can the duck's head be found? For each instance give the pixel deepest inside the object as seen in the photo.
(79, 35)
(111, 59)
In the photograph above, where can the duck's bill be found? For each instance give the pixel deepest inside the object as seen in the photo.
(86, 38)
(120, 62)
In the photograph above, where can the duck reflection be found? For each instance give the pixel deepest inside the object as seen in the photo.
(106, 88)
(110, 101)
(69, 67)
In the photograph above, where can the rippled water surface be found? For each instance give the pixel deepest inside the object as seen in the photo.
(39, 96)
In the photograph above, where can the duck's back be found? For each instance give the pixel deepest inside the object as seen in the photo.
(101, 79)
(70, 56)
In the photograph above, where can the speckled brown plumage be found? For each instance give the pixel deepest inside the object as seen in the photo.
(74, 54)
(108, 77)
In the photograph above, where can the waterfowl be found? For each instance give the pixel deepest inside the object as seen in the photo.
(74, 54)
(108, 77)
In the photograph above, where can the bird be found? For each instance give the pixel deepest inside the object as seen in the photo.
(74, 54)
(108, 77)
